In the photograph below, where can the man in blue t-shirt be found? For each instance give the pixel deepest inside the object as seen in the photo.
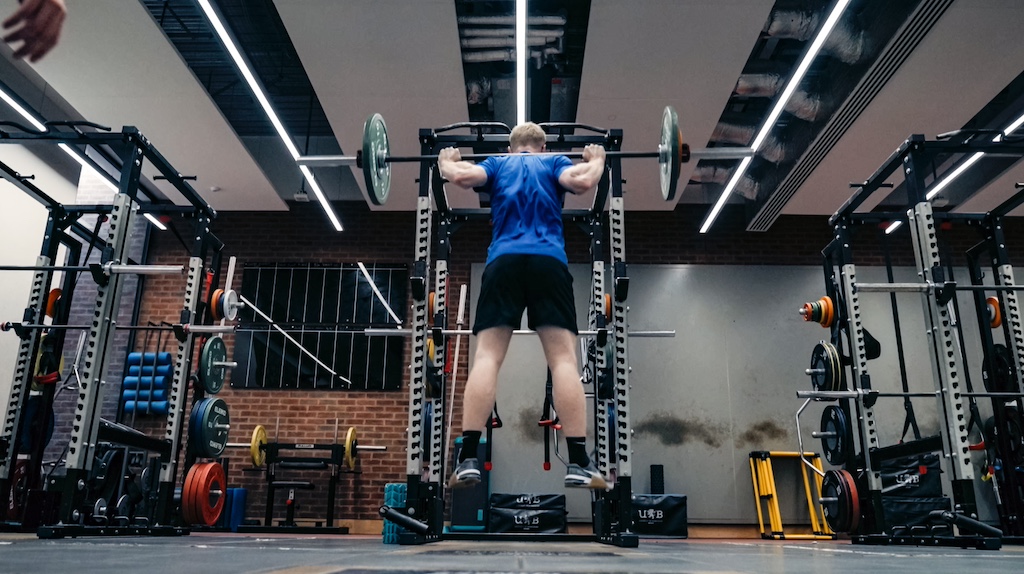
(526, 270)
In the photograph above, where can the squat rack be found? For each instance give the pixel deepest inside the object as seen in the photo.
(128, 149)
(914, 159)
(423, 514)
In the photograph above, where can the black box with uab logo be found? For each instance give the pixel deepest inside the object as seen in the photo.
(918, 476)
(533, 513)
(659, 515)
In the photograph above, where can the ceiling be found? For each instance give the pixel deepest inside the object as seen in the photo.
(890, 69)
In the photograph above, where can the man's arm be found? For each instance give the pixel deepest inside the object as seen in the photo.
(460, 173)
(584, 176)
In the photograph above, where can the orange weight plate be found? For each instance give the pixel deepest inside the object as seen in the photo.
(51, 302)
(995, 315)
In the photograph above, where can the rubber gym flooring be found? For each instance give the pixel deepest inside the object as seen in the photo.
(266, 554)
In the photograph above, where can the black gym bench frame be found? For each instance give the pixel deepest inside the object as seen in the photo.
(915, 159)
(123, 152)
(423, 514)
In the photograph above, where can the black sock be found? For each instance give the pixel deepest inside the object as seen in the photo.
(470, 440)
(577, 450)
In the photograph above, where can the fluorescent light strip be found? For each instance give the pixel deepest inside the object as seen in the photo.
(780, 105)
(152, 219)
(74, 153)
(893, 226)
(521, 57)
(268, 109)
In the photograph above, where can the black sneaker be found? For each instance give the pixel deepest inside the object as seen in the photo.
(577, 476)
(466, 474)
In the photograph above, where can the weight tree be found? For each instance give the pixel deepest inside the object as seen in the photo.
(423, 514)
(853, 499)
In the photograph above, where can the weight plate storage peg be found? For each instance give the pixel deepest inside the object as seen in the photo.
(209, 425)
(213, 364)
(835, 435)
(376, 171)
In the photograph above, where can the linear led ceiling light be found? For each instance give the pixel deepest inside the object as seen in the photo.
(76, 155)
(960, 169)
(769, 123)
(257, 90)
(521, 57)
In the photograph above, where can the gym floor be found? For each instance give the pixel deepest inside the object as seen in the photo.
(228, 553)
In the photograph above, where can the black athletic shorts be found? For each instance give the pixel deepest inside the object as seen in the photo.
(538, 283)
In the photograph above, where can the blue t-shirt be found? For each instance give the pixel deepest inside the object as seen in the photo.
(526, 204)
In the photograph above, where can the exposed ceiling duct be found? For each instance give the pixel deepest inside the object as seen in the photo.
(511, 21)
(846, 42)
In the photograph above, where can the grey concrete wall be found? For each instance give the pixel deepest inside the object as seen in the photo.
(724, 386)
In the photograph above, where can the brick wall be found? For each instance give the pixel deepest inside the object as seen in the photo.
(304, 235)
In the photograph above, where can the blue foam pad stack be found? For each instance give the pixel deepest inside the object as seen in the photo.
(144, 389)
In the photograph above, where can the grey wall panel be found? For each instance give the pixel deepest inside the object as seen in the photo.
(724, 386)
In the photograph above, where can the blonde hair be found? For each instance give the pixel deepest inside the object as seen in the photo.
(527, 134)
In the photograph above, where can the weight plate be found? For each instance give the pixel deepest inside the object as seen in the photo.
(258, 446)
(835, 504)
(209, 494)
(188, 511)
(995, 316)
(350, 448)
(215, 304)
(230, 304)
(431, 348)
(669, 150)
(1003, 377)
(820, 368)
(608, 306)
(214, 424)
(376, 171)
(52, 298)
(853, 500)
(828, 313)
(835, 447)
(211, 374)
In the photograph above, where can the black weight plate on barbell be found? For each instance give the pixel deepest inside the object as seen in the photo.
(835, 448)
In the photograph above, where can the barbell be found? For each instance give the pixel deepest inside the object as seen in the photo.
(375, 156)
(257, 446)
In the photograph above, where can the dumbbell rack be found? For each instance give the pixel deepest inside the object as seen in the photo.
(913, 159)
(423, 514)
